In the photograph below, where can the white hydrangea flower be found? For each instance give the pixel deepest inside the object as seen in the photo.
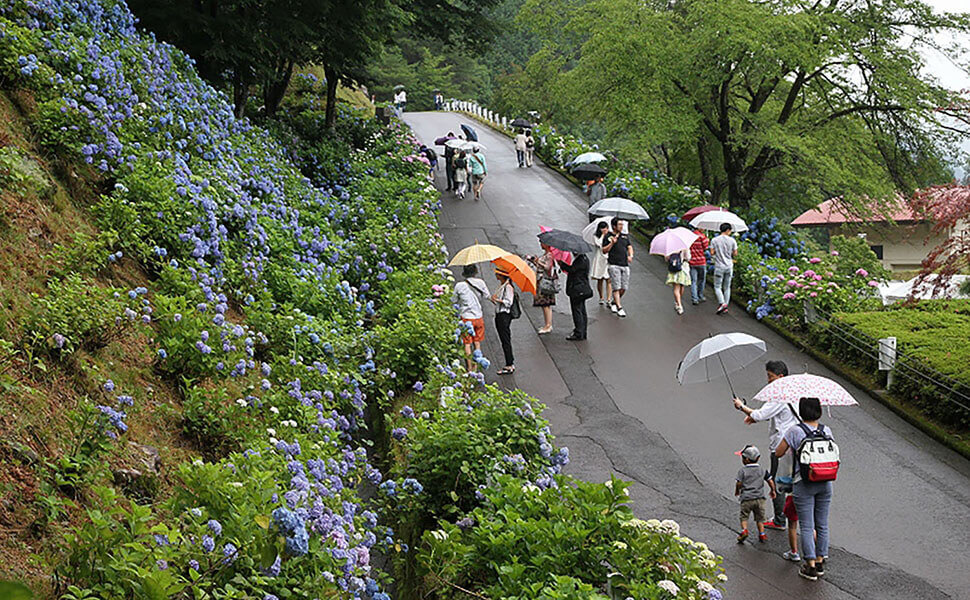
(439, 534)
(721, 577)
(274, 410)
(670, 526)
(669, 586)
(271, 431)
(704, 587)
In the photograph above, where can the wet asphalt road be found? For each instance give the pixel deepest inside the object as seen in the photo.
(900, 517)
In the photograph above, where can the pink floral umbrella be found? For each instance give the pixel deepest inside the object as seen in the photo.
(792, 388)
(557, 254)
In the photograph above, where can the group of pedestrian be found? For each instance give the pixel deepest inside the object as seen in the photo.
(525, 146)
(462, 167)
(688, 269)
(800, 497)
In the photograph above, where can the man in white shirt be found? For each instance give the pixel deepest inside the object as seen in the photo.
(780, 417)
(724, 248)
(468, 295)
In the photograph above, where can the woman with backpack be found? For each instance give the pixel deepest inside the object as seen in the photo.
(812, 489)
(506, 308)
(460, 165)
(678, 276)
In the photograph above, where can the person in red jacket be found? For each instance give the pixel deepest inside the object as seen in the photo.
(698, 267)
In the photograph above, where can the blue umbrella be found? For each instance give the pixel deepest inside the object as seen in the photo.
(469, 133)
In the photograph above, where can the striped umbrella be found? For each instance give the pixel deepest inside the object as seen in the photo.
(792, 388)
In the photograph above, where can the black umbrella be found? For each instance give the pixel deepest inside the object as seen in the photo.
(469, 133)
(588, 171)
(565, 241)
(520, 122)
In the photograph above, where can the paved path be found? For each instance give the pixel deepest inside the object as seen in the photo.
(901, 513)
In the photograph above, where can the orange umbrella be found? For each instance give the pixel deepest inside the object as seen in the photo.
(519, 272)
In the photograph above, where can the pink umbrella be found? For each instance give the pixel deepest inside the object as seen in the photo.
(792, 388)
(566, 257)
(672, 241)
(699, 210)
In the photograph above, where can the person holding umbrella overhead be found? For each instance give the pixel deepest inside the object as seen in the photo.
(468, 295)
(577, 273)
(547, 284)
(506, 304)
(520, 148)
(449, 160)
(596, 192)
(598, 268)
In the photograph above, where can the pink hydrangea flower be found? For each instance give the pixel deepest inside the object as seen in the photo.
(873, 283)
(792, 283)
(813, 294)
(835, 253)
(817, 277)
(809, 273)
(788, 296)
(815, 260)
(793, 270)
(862, 273)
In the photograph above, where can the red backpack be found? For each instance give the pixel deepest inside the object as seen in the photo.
(817, 456)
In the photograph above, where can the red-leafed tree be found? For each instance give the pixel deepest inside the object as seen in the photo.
(948, 208)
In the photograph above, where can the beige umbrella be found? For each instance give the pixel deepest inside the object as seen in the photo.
(477, 253)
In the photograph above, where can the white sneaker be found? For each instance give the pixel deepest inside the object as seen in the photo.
(613, 307)
(679, 309)
(621, 312)
(602, 302)
(792, 556)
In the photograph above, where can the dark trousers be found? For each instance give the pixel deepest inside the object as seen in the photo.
(450, 174)
(779, 501)
(578, 308)
(503, 324)
(520, 156)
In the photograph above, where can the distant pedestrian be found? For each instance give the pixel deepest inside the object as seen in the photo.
(520, 148)
(578, 291)
(780, 417)
(479, 171)
(432, 157)
(506, 302)
(749, 487)
(812, 498)
(723, 249)
(468, 296)
(678, 276)
(596, 191)
(530, 148)
(547, 285)
(449, 155)
(401, 100)
(598, 269)
(698, 267)
(460, 168)
(439, 101)
(619, 254)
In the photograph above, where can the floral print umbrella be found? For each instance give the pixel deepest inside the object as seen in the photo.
(792, 388)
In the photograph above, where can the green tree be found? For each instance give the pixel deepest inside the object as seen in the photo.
(826, 96)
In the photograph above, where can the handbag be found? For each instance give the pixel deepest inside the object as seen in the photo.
(548, 286)
(515, 311)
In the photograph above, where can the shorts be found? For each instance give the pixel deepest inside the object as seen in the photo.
(619, 276)
(479, 331)
(790, 513)
(756, 506)
(478, 179)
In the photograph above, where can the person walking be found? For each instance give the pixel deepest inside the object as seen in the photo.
(724, 248)
(460, 168)
(479, 171)
(598, 268)
(619, 254)
(530, 148)
(578, 291)
(698, 267)
(468, 295)
(678, 276)
(547, 285)
(596, 191)
(449, 165)
(400, 101)
(781, 417)
(812, 498)
(749, 487)
(432, 157)
(520, 148)
(506, 302)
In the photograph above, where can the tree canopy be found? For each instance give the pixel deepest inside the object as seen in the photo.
(752, 99)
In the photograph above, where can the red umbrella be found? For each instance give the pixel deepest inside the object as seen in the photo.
(697, 210)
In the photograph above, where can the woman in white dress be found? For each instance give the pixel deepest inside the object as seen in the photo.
(597, 270)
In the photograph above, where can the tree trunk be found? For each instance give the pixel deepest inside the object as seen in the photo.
(332, 79)
(240, 93)
(705, 164)
(275, 88)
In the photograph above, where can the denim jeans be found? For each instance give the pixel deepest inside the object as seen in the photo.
(722, 284)
(520, 156)
(698, 279)
(812, 501)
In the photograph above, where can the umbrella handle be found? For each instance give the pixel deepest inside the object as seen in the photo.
(726, 376)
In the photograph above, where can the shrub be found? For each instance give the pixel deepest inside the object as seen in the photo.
(525, 540)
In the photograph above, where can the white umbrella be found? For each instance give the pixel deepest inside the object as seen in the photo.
(793, 388)
(472, 146)
(712, 220)
(619, 207)
(586, 157)
(455, 143)
(589, 232)
(719, 355)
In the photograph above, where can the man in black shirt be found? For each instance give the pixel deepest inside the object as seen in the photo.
(619, 253)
